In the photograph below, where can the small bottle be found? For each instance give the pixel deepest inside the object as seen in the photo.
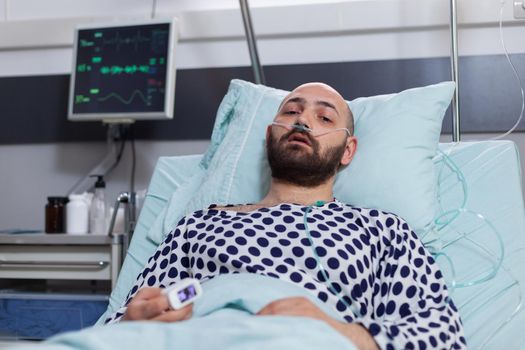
(77, 214)
(55, 218)
(97, 212)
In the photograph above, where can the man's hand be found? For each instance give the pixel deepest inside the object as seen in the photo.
(294, 306)
(151, 304)
(303, 307)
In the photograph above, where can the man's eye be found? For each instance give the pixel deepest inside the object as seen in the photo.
(290, 112)
(325, 119)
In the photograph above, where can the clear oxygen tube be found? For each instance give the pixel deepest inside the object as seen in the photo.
(350, 306)
(315, 133)
(461, 227)
(450, 219)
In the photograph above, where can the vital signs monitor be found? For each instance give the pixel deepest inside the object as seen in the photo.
(123, 71)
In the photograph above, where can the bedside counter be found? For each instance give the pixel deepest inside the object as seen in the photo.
(61, 256)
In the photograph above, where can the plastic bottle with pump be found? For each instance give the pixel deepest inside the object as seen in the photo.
(97, 211)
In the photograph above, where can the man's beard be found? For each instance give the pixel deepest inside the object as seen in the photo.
(297, 165)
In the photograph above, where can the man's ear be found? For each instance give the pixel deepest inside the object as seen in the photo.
(268, 131)
(350, 149)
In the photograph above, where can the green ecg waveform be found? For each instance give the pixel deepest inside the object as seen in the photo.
(123, 100)
(81, 99)
(131, 69)
(83, 68)
(86, 43)
(134, 40)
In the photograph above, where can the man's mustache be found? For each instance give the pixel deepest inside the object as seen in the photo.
(310, 138)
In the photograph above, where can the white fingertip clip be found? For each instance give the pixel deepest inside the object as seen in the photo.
(183, 293)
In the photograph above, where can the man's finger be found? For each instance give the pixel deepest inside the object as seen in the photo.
(153, 307)
(262, 312)
(175, 315)
(147, 293)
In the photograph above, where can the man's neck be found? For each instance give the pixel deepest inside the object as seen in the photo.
(285, 192)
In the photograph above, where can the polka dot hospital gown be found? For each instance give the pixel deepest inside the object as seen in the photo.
(372, 258)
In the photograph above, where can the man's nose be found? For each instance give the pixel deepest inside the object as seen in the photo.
(304, 119)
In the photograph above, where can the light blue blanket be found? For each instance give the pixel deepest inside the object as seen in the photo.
(222, 319)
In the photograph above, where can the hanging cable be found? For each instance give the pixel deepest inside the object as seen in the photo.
(112, 137)
(514, 71)
(118, 158)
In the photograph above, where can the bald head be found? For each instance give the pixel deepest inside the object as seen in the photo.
(326, 95)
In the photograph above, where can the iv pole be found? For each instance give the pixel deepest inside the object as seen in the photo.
(456, 134)
(258, 72)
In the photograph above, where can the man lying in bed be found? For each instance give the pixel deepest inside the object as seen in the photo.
(381, 279)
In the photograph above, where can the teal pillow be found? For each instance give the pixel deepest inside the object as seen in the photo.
(393, 170)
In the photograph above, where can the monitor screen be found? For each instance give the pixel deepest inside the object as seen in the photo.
(123, 71)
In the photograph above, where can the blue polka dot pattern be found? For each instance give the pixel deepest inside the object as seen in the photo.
(372, 260)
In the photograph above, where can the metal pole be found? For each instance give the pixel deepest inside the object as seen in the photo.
(456, 134)
(252, 45)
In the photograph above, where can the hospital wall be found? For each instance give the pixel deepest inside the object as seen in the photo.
(362, 47)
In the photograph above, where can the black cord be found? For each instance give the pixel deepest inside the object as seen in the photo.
(112, 167)
(118, 158)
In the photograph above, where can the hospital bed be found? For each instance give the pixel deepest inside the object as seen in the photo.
(493, 175)
(479, 241)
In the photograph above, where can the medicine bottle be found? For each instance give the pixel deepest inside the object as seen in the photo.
(55, 217)
(97, 211)
(77, 214)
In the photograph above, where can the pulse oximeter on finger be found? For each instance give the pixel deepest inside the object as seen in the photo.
(183, 293)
